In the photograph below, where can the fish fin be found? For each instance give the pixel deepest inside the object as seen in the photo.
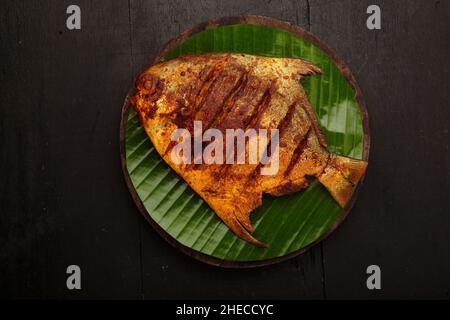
(304, 103)
(237, 217)
(233, 223)
(340, 175)
(306, 68)
(244, 219)
(242, 208)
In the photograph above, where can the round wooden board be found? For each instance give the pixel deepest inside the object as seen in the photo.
(254, 20)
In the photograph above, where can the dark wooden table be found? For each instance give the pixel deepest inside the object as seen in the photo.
(63, 199)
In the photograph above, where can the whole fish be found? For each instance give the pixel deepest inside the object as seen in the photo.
(194, 100)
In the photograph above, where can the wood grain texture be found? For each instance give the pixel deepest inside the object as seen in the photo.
(63, 200)
(398, 221)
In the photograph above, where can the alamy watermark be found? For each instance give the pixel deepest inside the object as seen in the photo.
(74, 279)
(263, 147)
(374, 20)
(73, 21)
(374, 280)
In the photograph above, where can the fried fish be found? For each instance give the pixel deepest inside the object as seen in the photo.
(226, 91)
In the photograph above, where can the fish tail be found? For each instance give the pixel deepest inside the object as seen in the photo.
(340, 176)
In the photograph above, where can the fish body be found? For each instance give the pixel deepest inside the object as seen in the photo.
(226, 91)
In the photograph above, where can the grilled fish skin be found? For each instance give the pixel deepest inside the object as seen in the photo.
(240, 91)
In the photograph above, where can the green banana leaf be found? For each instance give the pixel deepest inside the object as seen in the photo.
(286, 223)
